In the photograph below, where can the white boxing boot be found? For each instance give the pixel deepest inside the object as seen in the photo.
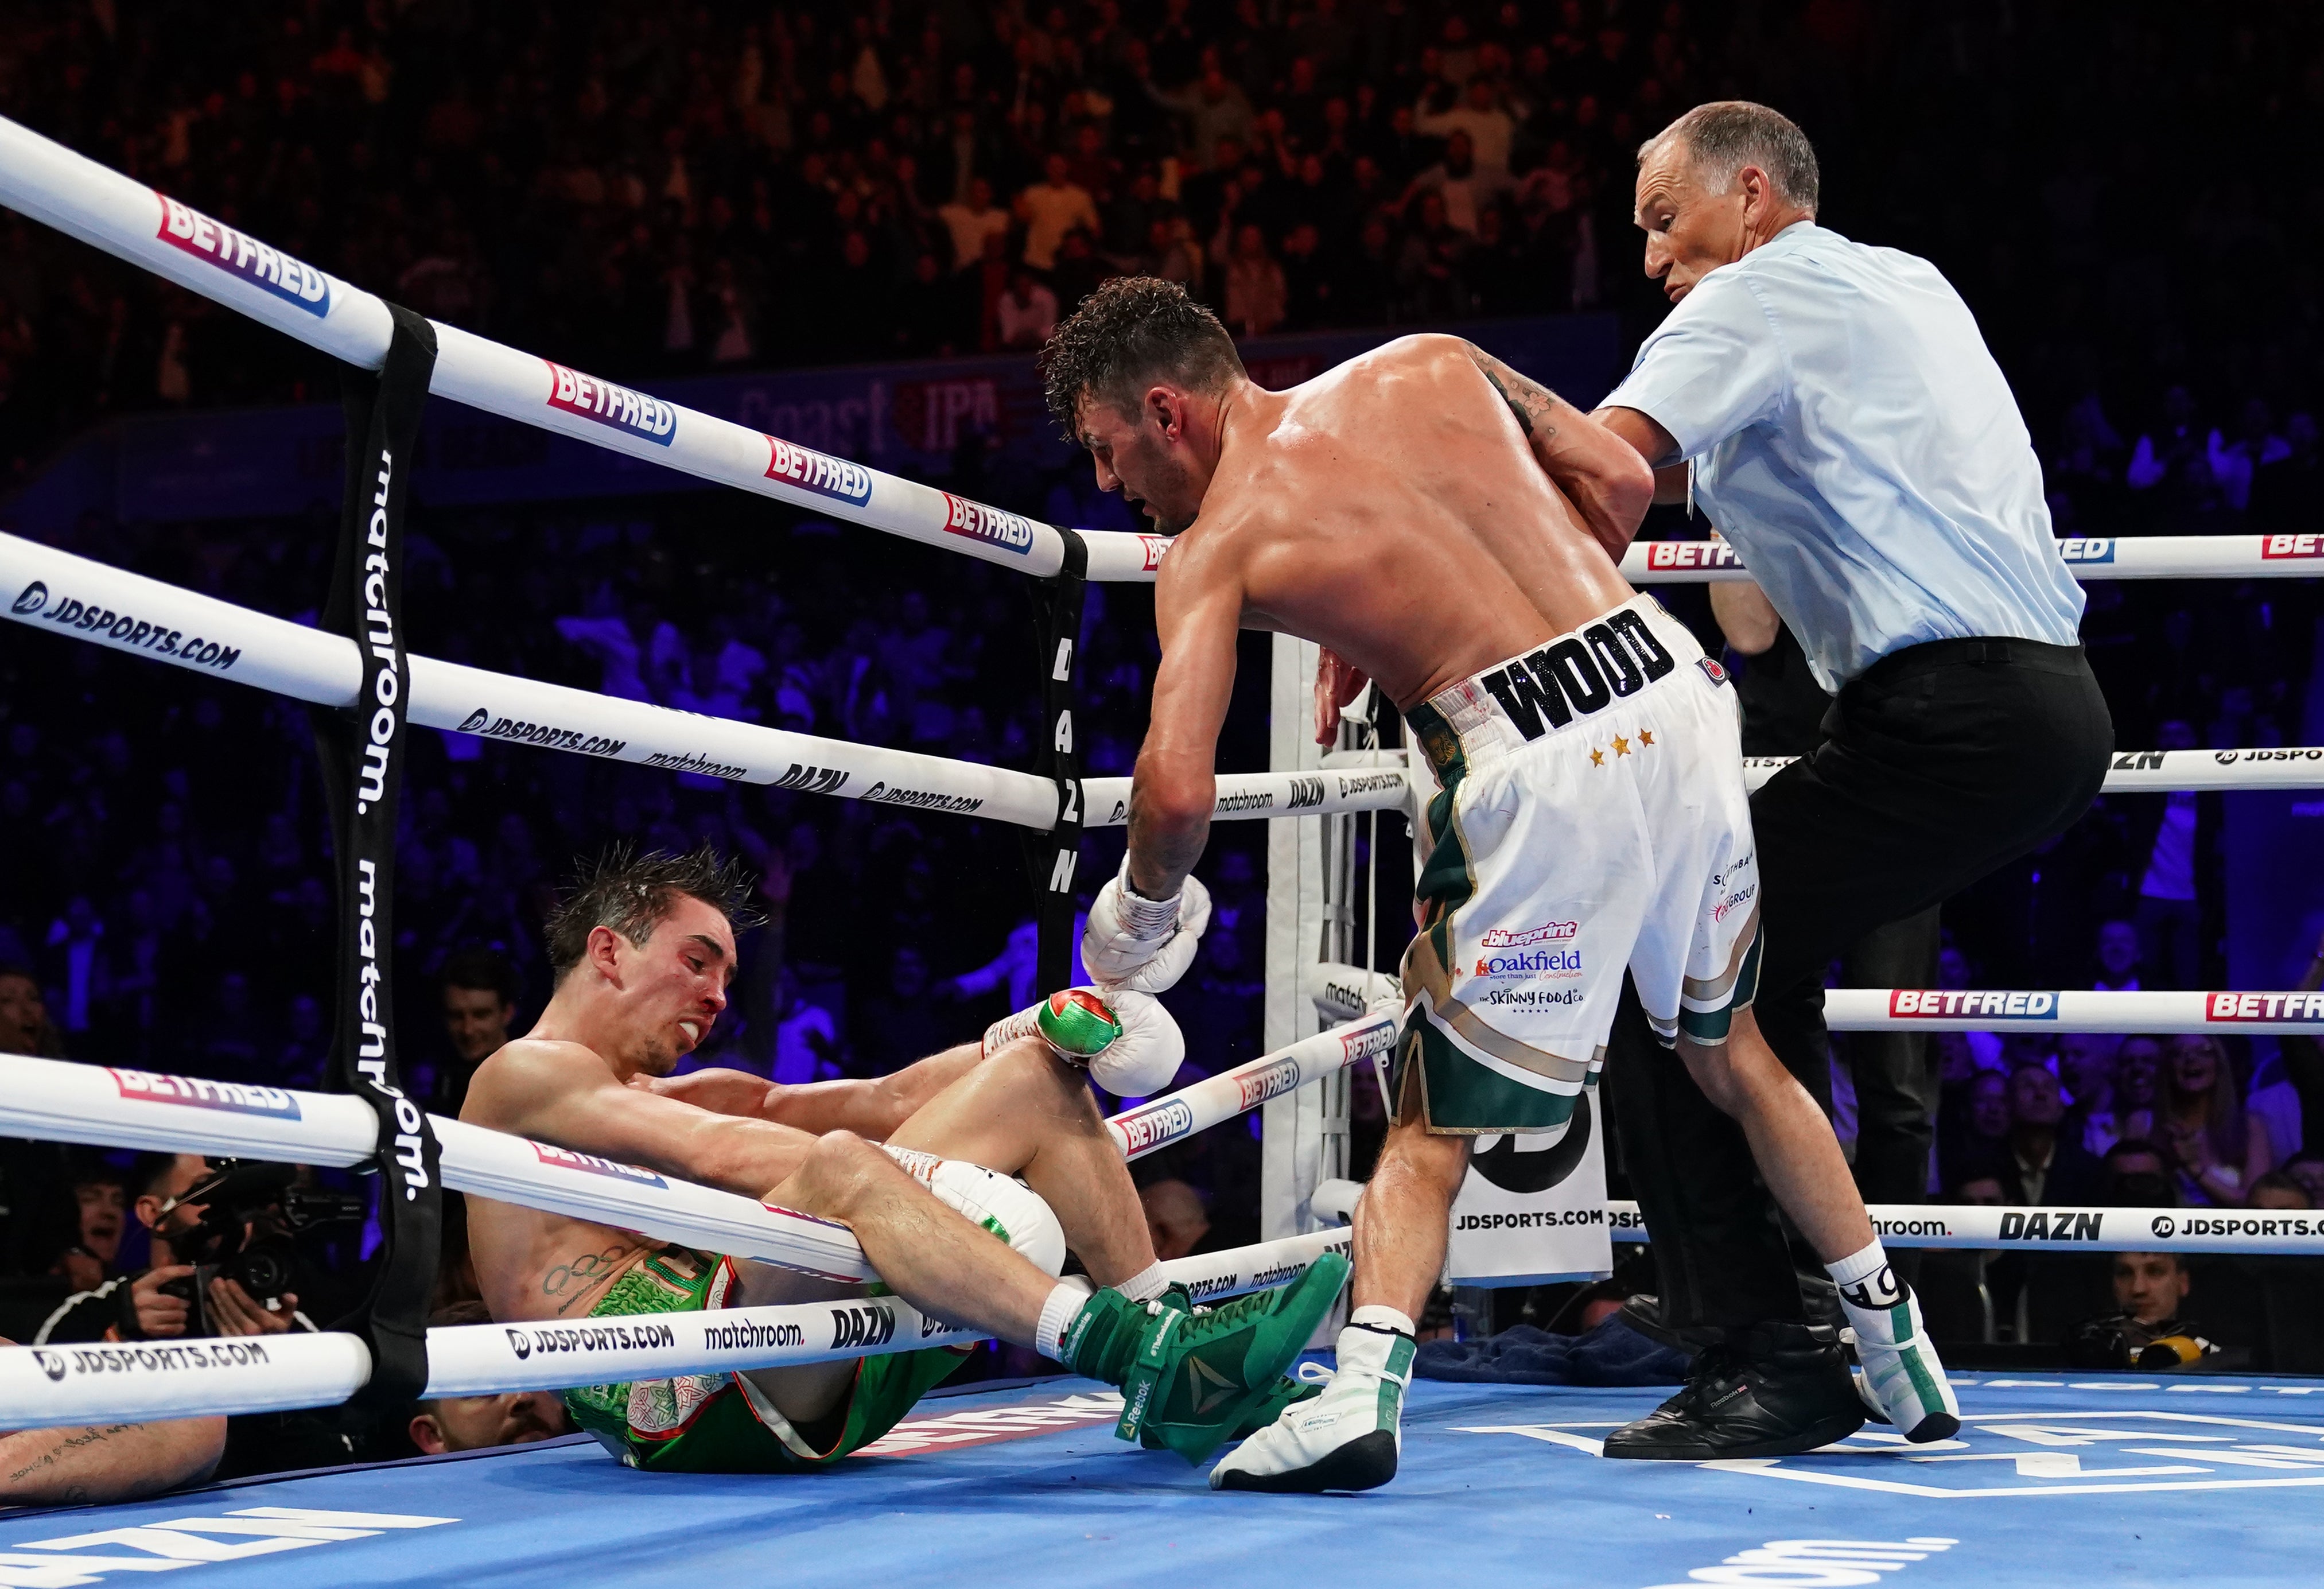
(1901, 1380)
(1346, 1438)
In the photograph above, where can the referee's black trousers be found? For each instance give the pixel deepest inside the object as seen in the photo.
(1939, 764)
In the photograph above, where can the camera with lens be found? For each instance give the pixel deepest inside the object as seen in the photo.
(251, 1217)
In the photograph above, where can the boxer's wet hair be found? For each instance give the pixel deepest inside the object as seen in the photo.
(634, 893)
(1130, 333)
(1726, 135)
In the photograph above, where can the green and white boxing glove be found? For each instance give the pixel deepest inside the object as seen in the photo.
(1129, 1043)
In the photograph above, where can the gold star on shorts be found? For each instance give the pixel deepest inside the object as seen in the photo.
(1621, 745)
(1646, 736)
(1597, 758)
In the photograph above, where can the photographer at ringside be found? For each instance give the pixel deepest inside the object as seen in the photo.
(225, 1262)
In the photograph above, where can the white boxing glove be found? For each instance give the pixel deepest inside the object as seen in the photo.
(1141, 944)
(1138, 1056)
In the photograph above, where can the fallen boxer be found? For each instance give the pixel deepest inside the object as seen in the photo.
(911, 1163)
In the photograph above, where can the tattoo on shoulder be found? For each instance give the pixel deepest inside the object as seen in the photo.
(1531, 401)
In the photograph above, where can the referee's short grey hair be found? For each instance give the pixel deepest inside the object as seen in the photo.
(1727, 134)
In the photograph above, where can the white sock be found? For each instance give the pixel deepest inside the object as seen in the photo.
(1145, 1285)
(1866, 1282)
(1375, 1317)
(1057, 1314)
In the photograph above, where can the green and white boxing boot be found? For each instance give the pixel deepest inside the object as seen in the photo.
(1190, 1379)
(1346, 1438)
(1899, 1378)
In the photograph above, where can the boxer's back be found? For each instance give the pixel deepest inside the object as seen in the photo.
(1392, 510)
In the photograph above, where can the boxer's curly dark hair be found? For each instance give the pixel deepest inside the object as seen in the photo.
(1130, 332)
(633, 893)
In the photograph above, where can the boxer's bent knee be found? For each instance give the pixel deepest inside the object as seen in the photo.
(840, 1169)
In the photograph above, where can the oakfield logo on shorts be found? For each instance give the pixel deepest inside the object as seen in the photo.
(811, 471)
(633, 1335)
(637, 1175)
(232, 1096)
(1692, 554)
(1275, 1080)
(923, 799)
(125, 630)
(990, 525)
(1511, 937)
(632, 413)
(516, 731)
(2292, 545)
(2301, 1007)
(2095, 548)
(294, 282)
(1940, 1003)
(1531, 963)
(1164, 1121)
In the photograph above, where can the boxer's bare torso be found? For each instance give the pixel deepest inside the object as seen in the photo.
(1394, 510)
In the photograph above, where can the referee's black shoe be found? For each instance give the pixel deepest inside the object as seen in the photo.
(1773, 1390)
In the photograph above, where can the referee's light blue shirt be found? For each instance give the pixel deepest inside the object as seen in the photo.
(1853, 437)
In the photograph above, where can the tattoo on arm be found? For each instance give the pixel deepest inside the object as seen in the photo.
(575, 1282)
(70, 1443)
(1531, 401)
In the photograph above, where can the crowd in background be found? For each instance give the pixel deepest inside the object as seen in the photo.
(652, 192)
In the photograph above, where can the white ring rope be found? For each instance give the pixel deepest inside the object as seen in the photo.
(2142, 557)
(2070, 1009)
(58, 592)
(77, 196)
(2068, 1228)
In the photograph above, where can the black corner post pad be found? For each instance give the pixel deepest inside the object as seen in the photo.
(1052, 857)
(362, 746)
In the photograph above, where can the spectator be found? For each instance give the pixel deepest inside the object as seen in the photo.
(971, 221)
(2138, 1174)
(2151, 1287)
(92, 1259)
(1175, 1218)
(477, 1423)
(2043, 1164)
(1050, 208)
(2222, 1147)
(1479, 119)
(2117, 958)
(2278, 1190)
(2307, 1169)
(24, 1026)
(1467, 187)
(1028, 311)
(478, 992)
(2089, 1062)
(2139, 1065)
(1255, 289)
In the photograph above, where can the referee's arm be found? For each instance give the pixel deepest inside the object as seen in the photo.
(1654, 444)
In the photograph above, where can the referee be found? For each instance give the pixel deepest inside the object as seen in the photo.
(1833, 410)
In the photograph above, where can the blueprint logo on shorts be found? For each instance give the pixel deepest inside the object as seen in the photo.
(632, 413)
(292, 281)
(812, 471)
(1517, 937)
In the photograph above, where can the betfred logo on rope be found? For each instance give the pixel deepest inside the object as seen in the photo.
(2086, 550)
(632, 413)
(2304, 1007)
(1947, 1002)
(990, 525)
(2292, 545)
(146, 1087)
(292, 281)
(812, 471)
(566, 1159)
(1692, 554)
